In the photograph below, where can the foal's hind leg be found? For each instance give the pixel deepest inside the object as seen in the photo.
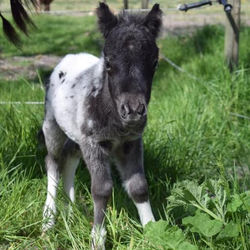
(129, 159)
(70, 160)
(54, 139)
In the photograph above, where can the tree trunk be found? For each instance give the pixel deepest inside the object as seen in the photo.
(232, 35)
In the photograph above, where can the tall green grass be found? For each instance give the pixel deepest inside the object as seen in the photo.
(194, 134)
(56, 35)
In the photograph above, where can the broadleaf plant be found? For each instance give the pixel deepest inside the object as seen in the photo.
(161, 235)
(203, 224)
(208, 210)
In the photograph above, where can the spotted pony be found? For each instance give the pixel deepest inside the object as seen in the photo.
(96, 108)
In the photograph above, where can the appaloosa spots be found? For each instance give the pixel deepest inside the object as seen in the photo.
(61, 74)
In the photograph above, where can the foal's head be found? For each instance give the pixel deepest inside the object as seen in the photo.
(131, 56)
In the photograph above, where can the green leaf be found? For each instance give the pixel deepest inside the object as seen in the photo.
(246, 201)
(174, 237)
(163, 236)
(235, 203)
(187, 193)
(208, 197)
(155, 232)
(229, 231)
(187, 246)
(203, 224)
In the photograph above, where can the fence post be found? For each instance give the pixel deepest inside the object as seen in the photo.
(125, 2)
(232, 35)
(144, 4)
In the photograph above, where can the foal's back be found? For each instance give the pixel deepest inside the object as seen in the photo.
(72, 65)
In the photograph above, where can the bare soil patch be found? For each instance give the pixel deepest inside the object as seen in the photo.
(16, 67)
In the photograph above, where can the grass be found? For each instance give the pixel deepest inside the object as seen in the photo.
(196, 150)
(51, 38)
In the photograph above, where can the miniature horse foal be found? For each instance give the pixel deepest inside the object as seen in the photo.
(97, 108)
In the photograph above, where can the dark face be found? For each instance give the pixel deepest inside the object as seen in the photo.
(131, 56)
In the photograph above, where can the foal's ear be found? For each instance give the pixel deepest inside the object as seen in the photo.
(106, 19)
(153, 20)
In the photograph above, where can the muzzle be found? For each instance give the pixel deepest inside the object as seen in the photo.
(132, 108)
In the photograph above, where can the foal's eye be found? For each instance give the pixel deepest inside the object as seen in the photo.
(155, 64)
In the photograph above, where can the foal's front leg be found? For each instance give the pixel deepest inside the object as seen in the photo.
(101, 188)
(129, 159)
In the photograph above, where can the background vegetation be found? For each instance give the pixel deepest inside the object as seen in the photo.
(196, 149)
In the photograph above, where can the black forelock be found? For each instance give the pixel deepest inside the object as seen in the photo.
(129, 31)
(130, 18)
(133, 21)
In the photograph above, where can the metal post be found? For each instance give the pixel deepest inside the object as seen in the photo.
(144, 4)
(232, 35)
(125, 2)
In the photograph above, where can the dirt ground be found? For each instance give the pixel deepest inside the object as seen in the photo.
(173, 24)
(17, 67)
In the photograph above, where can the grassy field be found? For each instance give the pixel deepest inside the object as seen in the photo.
(197, 146)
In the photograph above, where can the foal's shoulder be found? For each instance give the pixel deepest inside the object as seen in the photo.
(72, 65)
(77, 62)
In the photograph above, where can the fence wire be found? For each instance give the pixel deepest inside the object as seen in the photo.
(20, 103)
(89, 12)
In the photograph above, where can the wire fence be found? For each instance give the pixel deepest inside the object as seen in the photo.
(20, 103)
(89, 12)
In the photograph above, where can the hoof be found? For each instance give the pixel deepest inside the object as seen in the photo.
(98, 236)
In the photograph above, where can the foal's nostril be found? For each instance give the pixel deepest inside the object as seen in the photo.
(125, 110)
(132, 112)
(141, 109)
